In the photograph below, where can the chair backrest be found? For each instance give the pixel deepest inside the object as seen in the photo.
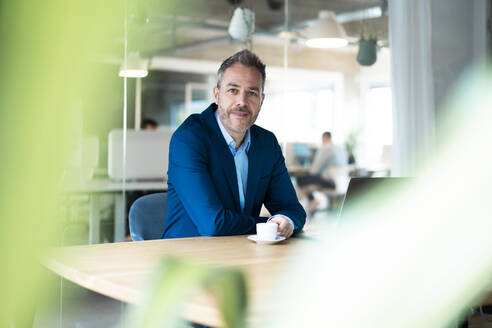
(147, 215)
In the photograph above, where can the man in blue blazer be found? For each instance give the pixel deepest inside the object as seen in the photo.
(222, 167)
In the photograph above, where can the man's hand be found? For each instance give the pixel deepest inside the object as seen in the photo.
(285, 229)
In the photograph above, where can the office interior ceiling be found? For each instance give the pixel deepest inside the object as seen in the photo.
(190, 25)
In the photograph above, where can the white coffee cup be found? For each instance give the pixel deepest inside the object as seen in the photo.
(266, 231)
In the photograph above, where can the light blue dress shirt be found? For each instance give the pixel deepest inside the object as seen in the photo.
(241, 161)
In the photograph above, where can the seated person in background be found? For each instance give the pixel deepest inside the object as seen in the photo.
(330, 162)
(222, 167)
(149, 124)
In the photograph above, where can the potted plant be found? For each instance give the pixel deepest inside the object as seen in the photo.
(351, 145)
(367, 53)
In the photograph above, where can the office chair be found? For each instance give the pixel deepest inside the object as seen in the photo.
(147, 215)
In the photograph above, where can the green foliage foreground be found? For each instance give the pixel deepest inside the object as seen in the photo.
(174, 281)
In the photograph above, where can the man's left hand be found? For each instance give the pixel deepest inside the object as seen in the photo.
(285, 229)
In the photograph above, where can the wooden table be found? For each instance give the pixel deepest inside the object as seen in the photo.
(118, 270)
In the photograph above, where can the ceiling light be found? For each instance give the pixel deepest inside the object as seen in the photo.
(326, 43)
(242, 24)
(326, 32)
(135, 66)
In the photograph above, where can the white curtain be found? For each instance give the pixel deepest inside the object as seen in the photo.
(412, 84)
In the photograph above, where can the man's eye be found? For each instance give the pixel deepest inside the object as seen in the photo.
(232, 90)
(253, 93)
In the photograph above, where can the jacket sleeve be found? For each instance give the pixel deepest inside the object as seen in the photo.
(281, 197)
(190, 176)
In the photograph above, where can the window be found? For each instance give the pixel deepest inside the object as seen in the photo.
(300, 116)
(377, 128)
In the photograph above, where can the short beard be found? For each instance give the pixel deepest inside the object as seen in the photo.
(224, 119)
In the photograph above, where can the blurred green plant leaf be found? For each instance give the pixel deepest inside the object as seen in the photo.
(175, 281)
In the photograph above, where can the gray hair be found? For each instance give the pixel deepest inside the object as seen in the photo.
(246, 58)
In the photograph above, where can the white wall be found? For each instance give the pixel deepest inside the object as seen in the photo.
(459, 36)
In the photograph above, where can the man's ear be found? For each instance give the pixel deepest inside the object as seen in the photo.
(262, 98)
(216, 95)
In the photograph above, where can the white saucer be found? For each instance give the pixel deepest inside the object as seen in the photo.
(265, 242)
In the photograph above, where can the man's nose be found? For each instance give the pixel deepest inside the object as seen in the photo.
(241, 99)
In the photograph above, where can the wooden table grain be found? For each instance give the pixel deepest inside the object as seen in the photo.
(119, 270)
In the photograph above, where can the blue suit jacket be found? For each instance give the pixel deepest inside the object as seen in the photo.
(203, 197)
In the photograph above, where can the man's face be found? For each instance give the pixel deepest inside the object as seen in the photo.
(239, 98)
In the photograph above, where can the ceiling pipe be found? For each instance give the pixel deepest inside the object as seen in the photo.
(345, 16)
(359, 14)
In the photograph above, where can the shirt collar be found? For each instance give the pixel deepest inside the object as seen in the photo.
(229, 140)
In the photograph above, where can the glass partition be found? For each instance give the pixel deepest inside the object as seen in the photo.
(157, 65)
(308, 91)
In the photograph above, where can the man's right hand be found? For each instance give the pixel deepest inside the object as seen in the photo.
(285, 228)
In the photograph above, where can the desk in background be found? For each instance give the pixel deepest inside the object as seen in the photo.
(297, 170)
(96, 187)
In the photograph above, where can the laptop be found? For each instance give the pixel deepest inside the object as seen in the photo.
(376, 189)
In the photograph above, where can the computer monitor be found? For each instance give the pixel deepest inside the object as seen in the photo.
(302, 153)
(147, 154)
